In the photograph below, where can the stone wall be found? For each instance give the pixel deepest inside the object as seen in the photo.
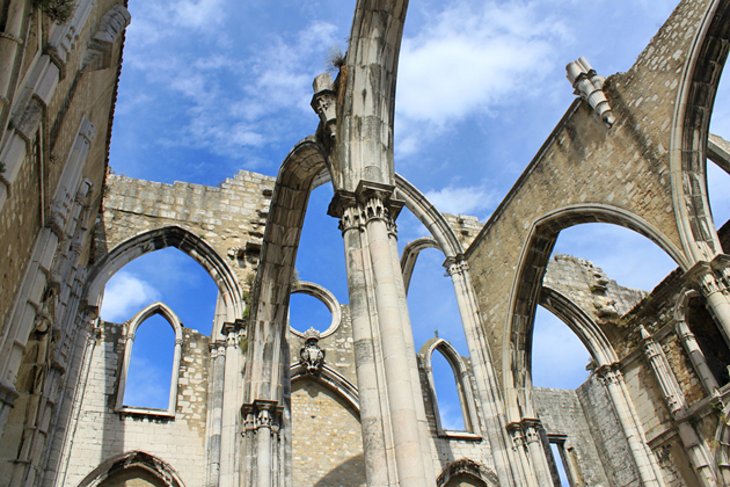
(101, 433)
(562, 416)
(230, 218)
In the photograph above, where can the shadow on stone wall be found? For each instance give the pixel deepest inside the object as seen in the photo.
(352, 469)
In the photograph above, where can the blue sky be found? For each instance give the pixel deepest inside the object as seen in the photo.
(210, 87)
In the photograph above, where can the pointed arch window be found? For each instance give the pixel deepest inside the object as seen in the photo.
(155, 309)
(463, 389)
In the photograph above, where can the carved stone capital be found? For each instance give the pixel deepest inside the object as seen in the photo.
(609, 374)
(456, 266)
(532, 428)
(261, 414)
(517, 435)
(703, 276)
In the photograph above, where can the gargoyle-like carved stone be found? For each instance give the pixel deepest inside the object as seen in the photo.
(324, 103)
(99, 53)
(312, 356)
(589, 86)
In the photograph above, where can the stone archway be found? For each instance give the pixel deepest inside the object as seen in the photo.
(690, 129)
(133, 469)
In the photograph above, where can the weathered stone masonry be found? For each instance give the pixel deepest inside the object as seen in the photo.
(258, 404)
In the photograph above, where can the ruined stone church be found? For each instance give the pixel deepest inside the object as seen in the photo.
(257, 403)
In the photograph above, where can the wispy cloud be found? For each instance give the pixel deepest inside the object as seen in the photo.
(125, 294)
(471, 58)
(463, 200)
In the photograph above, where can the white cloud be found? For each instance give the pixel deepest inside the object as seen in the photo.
(463, 200)
(473, 57)
(125, 294)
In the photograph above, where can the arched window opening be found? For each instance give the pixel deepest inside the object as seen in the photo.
(563, 461)
(711, 342)
(168, 275)
(150, 362)
(447, 393)
(449, 385)
(465, 480)
(306, 311)
(150, 366)
(431, 298)
(135, 476)
(559, 358)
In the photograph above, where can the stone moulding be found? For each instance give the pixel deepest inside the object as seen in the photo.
(327, 298)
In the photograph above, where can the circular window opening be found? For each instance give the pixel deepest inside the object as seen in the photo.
(307, 312)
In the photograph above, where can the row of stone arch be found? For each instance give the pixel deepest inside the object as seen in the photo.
(139, 465)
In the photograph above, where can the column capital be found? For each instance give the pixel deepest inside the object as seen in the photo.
(370, 201)
(262, 414)
(708, 277)
(609, 373)
(456, 265)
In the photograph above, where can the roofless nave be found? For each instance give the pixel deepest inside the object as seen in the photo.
(256, 404)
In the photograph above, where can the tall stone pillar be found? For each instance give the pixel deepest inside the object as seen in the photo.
(484, 374)
(262, 422)
(697, 450)
(713, 281)
(389, 409)
(644, 460)
(232, 385)
(215, 412)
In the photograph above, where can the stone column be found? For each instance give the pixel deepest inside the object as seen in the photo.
(215, 411)
(417, 392)
(231, 404)
(377, 446)
(487, 388)
(696, 356)
(367, 219)
(714, 286)
(646, 465)
(261, 424)
(519, 446)
(676, 402)
(534, 434)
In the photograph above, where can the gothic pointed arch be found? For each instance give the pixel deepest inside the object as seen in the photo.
(410, 255)
(151, 466)
(462, 471)
(159, 238)
(463, 384)
(690, 130)
(337, 383)
(163, 310)
(526, 287)
(580, 323)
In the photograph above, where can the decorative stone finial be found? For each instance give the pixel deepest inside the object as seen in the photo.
(324, 103)
(589, 86)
